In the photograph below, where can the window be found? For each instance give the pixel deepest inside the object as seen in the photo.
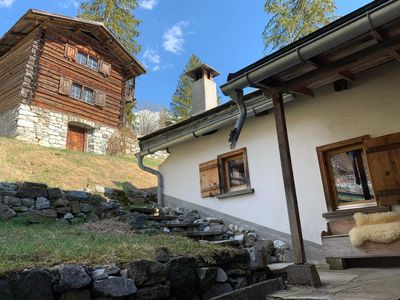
(88, 95)
(345, 174)
(226, 176)
(87, 60)
(76, 91)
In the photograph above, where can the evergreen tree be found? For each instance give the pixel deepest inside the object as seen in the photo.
(117, 16)
(293, 19)
(181, 105)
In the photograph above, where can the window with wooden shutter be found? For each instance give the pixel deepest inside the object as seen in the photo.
(100, 98)
(209, 179)
(65, 86)
(104, 68)
(70, 52)
(383, 156)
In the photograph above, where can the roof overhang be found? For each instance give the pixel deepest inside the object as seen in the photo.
(365, 38)
(33, 19)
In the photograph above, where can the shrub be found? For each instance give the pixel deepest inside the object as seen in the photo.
(123, 141)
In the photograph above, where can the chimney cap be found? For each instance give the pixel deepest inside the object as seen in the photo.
(197, 73)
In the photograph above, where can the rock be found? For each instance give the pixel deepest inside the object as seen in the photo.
(207, 228)
(166, 230)
(12, 201)
(274, 259)
(20, 209)
(114, 287)
(7, 189)
(68, 216)
(158, 291)
(162, 254)
(238, 283)
(238, 270)
(189, 217)
(181, 210)
(78, 196)
(6, 213)
(221, 275)
(29, 202)
(285, 256)
(239, 238)
(182, 275)
(147, 273)
(280, 245)
(39, 216)
(259, 258)
(5, 291)
(54, 193)
(82, 294)
(267, 244)
(34, 284)
(211, 220)
(218, 289)
(217, 228)
(86, 207)
(124, 273)
(110, 269)
(99, 274)
(75, 207)
(100, 189)
(71, 278)
(206, 277)
(62, 203)
(250, 239)
(32, 190)
(92, 217)
(63, 210)
(259, 276)
(138, 221)
(223, 257)
(42, 203)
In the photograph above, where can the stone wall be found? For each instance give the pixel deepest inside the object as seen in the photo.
(8, 122)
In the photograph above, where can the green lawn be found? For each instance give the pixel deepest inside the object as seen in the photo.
(45, 245)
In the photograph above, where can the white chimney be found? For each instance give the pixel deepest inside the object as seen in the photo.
(204, 89)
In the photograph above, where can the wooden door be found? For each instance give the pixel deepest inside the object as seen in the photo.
(76, 138)
(383, 155)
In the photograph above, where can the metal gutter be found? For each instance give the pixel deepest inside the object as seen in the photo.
(160, 179)
(346, 31)
(257, 105)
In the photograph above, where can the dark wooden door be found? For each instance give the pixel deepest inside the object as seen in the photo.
(76, 138)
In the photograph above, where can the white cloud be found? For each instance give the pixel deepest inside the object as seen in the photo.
(156, 68)
(148, 4)
(153, 58)
(6, 3)
(174, 38)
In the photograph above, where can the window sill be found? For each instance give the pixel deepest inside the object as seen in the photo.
(350, 212)
(235, 193)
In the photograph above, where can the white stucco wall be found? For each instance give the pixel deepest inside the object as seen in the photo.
(371, 106)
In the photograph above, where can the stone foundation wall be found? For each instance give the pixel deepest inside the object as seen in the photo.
(8, 122)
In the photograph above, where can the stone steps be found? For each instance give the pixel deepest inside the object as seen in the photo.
(199, 234)
(162, 218)
(181, 225)
(143, 210)
(232, 243)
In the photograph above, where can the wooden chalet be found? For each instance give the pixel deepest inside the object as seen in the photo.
(64, 82)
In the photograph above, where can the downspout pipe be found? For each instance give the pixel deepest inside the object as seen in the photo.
(368, 21)
(238, 98)
(160, 178)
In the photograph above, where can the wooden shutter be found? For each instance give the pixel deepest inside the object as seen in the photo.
(70, 52)
(104, 68)
(100, 98)
(209, 179)
(383, 156)
(65, 86)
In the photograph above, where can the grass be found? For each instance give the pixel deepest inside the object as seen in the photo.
(44, 245)
(68, 169)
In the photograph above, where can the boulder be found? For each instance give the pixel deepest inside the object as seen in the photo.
(11, 201)
(39, 216)
(99, 274)
(206, 277)
(29, 202)
(62, 203)
(221, 275)
(34, 284)
(71, 278)
(6, 213)
(147, 273)
(266, 244)
(114, 287)
(259, 258)
(68, 216)
(54, 193)
(42, 203)
(78, 196)
(182, 275)
(158, 291)
(218, 289)
(82, 294)
(109, 269)
(5, 291)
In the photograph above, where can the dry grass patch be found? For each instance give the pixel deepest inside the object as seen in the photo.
(68, 169)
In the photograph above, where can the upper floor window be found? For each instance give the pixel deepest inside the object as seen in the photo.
(88, 95)
(87, 60)
(93, 63)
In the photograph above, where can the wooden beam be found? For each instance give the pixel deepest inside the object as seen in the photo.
(303, 92)
(395, 55)
(347, 75)
(377, 36)
(17, 33)
(288, 178)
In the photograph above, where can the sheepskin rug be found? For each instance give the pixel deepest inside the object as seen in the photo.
(378, 228)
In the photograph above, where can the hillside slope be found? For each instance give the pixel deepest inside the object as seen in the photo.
(67, 169)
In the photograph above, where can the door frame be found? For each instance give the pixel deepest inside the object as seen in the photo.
(85, 134)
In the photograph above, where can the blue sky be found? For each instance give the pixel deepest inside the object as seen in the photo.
(226, 34)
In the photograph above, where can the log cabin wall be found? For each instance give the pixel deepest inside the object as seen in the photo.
(53, 65)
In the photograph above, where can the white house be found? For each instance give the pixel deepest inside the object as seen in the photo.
(341, 90)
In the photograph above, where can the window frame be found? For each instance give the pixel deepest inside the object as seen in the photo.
(88, 57)
(83, 87)
(328, 180)
(80, 93)
(224, 173)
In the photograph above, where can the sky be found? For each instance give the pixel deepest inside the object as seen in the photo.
(225, 34)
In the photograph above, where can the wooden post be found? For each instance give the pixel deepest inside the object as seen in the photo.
(288, 178)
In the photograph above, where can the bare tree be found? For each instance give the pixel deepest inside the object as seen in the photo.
(146, 122)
